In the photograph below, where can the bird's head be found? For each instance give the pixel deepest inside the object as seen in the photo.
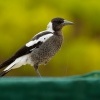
(57, 24)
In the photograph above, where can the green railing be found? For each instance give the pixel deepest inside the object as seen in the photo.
(85, 87)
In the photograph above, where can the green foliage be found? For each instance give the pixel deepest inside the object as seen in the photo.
(80, 53)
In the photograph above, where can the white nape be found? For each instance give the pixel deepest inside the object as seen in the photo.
(50, 27)
(41, 39)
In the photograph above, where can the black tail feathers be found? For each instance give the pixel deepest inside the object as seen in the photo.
(3, 73)
(7, 62)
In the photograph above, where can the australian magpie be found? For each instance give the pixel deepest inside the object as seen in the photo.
(40, 49)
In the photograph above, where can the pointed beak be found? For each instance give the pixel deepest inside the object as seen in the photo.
(67, 23)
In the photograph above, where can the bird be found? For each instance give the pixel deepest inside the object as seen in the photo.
(40, 49)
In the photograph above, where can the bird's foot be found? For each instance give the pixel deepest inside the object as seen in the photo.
(38, 73)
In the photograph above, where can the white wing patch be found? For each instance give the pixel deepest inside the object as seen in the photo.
(44, 37)
(50, 27)
(31, 43)
(41, 39)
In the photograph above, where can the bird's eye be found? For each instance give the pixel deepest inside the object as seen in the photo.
(59, 22)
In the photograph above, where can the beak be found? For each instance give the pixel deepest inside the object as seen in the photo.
(67, 23)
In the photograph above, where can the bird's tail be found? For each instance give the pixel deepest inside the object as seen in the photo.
(3, 73)
(15, 64)
(4, 64)
(6, 70)
(7, 62)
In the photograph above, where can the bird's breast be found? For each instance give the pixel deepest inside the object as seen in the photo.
(48, 49)
(51, 46)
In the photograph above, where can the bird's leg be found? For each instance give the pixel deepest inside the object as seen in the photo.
(36, 69)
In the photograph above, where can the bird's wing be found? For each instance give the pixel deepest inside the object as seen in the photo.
(26, 49)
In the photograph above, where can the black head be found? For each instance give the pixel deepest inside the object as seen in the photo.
(58, 23)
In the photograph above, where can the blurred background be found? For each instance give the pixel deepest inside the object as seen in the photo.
(20, 20)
